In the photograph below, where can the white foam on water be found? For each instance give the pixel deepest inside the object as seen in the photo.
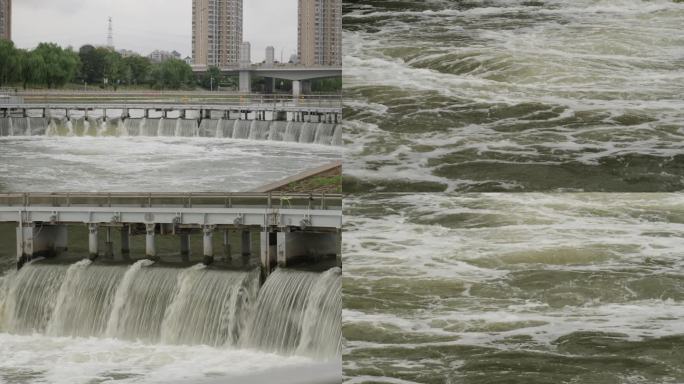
(153, 164)
(493, 239)
(79, 360)
(611, 60)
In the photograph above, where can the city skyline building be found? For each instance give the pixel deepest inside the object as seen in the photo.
(270, 55)
(320, 32)
(6, 19)
(217, 28)
(245, 53)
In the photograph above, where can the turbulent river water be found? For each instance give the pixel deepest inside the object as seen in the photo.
(514, 288)
(151, 164)
(86, 322)
(513, 95)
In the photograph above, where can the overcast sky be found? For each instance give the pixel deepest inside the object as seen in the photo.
(146, 25)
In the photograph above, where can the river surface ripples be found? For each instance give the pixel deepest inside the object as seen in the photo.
(514, 288)
(513, 95)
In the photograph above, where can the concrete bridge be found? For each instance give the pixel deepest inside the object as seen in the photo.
(291, 227)
(299, 75)
(328, 111)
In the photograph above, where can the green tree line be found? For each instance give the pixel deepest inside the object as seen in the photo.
(53, 66)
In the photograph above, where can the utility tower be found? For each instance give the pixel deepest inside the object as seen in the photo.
(110, 34)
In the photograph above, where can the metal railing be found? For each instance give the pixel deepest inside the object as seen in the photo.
(181, 98)
(166, 200)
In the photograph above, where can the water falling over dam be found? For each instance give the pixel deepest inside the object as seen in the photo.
(321, 133)
(294, 313)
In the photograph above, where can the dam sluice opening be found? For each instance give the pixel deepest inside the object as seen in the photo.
(293, 313)
(222, 287)
(306, 132)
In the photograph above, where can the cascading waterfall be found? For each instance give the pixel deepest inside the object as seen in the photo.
(241, 129)
(277, 130)
(132, 127)
(84, 301)
(259, 130)
(30, 298)
(295, 132)
(324, 133)
(186, 128)
(292, 132)
(221, 315)
(289, 303)
(337, 136)
(293, 313)
(321, 330)
(6, 126)
(307, 133)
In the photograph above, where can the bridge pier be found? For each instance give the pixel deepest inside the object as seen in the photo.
(93, 251)
(109, 244)
(150, 247)
(269, 85)
(125, 242)
(246, 243)
(296, 88)
(226, 245)
(43, 241)
(185, 246)
(269, 241)
(245, 81)
(208, 231)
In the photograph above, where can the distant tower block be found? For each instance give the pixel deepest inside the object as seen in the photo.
(270, 55)
(245, 54)
(6, 19)
(110, 35)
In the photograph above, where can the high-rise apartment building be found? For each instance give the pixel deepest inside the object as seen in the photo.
(6, 19)
(270, 55)
(320, 32)
(216, 32)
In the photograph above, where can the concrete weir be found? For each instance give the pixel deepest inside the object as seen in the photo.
(293, 228)
(282, 121)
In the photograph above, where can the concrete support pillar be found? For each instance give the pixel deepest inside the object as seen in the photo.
(296, 88)
(24, 244)
(294, 247)
(245, 81)
(93, 250)
(109, 244)
(269, 241)
(125, 242)
(104, 115)
(185, 246)
(147, 113)
(226, 245)
(269, 87)
(208, 237)
(246, 243)
(150, 248)
(44, 241)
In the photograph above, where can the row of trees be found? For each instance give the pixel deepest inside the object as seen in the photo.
(53, 66)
